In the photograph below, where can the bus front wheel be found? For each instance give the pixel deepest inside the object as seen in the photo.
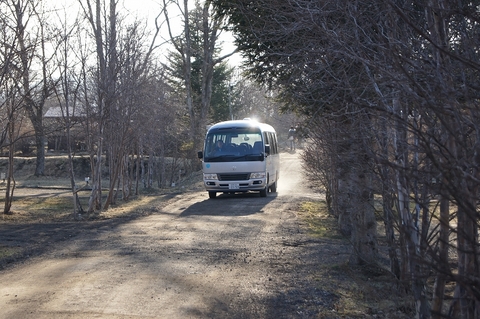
(273, 187)
(263, 192)
(212, 194)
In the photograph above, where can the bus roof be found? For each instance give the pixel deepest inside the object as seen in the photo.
(242, 124)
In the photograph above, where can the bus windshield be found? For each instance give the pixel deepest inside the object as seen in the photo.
(234, 145)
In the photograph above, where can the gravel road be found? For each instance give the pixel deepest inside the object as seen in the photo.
(236, 256)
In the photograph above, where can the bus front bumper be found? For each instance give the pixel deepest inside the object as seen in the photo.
(235, 186)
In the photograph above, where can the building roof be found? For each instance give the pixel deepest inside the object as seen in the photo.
(56, 112)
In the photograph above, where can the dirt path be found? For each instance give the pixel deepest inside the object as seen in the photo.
(239, 256)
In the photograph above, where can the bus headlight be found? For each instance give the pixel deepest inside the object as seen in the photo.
(210, 176)
(257, 175)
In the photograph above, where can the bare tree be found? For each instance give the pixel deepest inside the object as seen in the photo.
(125, 124)
(28, 23)
(13, 107)
(124, 58)
(67, 96)
(105, 37)
(12, 103)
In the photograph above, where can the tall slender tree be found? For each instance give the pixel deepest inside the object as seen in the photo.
(197, 48)
(105, 38)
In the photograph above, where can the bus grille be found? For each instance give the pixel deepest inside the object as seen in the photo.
(234, 177)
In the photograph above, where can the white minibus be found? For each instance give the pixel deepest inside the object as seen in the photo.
(240, 156)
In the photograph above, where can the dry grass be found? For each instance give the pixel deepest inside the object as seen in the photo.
(40, 209)
(7, 252)
(320, 224)
(53, 199)
(363, 292)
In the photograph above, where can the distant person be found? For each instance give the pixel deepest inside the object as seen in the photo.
(291, 137)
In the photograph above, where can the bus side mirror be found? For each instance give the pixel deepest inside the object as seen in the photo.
(267, 149)
(200, 154)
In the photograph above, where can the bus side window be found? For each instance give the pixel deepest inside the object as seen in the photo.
(270, 137)
(274, 141)
(272, 144)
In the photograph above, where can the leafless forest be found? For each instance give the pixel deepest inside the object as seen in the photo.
(388, 92)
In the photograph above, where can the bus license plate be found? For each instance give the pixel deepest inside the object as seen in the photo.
(233, 186)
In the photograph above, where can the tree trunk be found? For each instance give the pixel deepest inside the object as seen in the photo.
(77, 206)
(345, 186)
(364, 224)
(467, 250)
(10, 187)
(356, 215)
(40, 143)
(136, 167)
(389, 219)
(441, 276)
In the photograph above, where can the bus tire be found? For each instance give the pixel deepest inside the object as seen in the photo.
(273, 187)
(212, 194)
(263, 192)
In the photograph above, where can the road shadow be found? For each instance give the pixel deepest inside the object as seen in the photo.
(240, 204)
(35, 238)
